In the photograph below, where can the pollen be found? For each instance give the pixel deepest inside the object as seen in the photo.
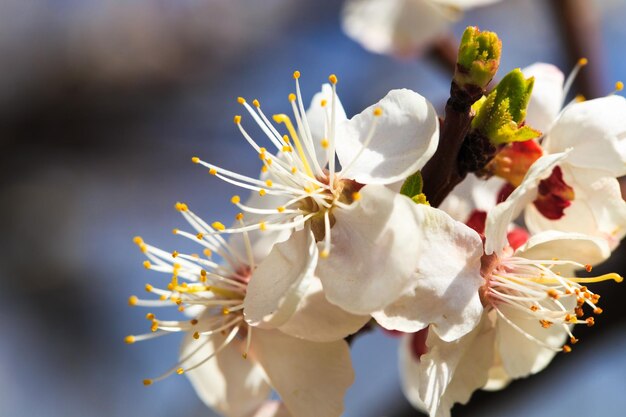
(235, 199)
(378, 111)
(262, 226)
(181, 206)
(132, 300)
(213, 171)
(292, 97)
(332, 79)
(583, 61)
(323, 103)
(129, 340)
(296, 75)
(150, 316)
(567, 348)
(280, 209)
(146, 264)
(287, 148)
(262, 192)
(239, 216)
(237, 119)
(207, 252)
(218, 226)
(579, 98)
(588, 268)
(256, 103)
(147, 382)
(193, 322)
(264, 169)
(553, 294)
(195, 160)
(137, 240)
(174, 254)
(619, 86)
(590, 321)
(196, 335)
(269, 183)
(534, 308)
(149, 288)
(597, 310)
(356, 196)
(241, 100)
(324, 143)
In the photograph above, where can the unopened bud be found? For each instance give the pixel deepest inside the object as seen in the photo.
(478, 59)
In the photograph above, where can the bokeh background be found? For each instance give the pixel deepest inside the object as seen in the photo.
(102, 104)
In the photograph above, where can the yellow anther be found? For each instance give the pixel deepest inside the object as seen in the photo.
(154, 327)
(244, 355)
(324, 143)
(292, 97)
(567, 349)
(262, 226)
(264, 169)
(294, 170)
(150, 316)
(308, 190)
(619, 86)
(573, 340)
(580, 98)
(180, 371)
(534, 308)
(239, 216)
(296, 75)
(213, 171)
(553, 294)
(147, 382)
(200, 236)
(378, 111)
(149, 288)
(193, 322)
(218, 226)
(163, 297)
(280, 209)
(129, 340)
(333, 79)
(137, 240)
(588, 268)
(323, 103)
(235, 199)
(590, 321)
(196, 335)
(356, 196)
(269, 183)
(225, 311)
(208, 254)
(286, 138)
(287, 148)
(597, 310)
(175, 231)
(195, 160)
(174, 254)
(237, 119)
(132, 300)
(181, 308)
(256, 103)
(324, 254)
(147, 264)
(262, 192)
(583, 61)
(241, 100)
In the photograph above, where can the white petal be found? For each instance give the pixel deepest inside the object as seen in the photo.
(596, 130)
(375, 243)
(521, 355)
(272, 409)
(447, 280)
(465, 4)
(395, 26)
(598, 208)
(281, 280)
(547, 97)
(318, 117)
(571, 246)
(451, 372)
(310, 378)
(404, 139)
(318, 320)
(228, 383)
(472, 194)
(503, 214)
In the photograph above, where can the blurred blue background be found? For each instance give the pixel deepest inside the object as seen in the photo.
(102, 104)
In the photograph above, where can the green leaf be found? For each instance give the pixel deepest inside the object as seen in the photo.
(413, 185)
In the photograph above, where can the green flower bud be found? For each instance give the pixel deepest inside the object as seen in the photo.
(478, 59)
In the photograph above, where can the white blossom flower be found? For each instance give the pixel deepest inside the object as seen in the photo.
(232, 365)
(595, 130)
(350, 210)
(401, 27)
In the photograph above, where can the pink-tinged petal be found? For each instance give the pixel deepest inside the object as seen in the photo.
(310, 378)
(318, 320)
(375, 245)
(446, 280)
(451, 371)
(395, 26)
(319, 117)
(387, 148)
(547, 98)
(281, 280)
(598, 208)
(472, 194)
(503, 214)
(524, 345)
(228, 383)
(596, 130)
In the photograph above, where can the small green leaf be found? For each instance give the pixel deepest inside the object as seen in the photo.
(413, 185)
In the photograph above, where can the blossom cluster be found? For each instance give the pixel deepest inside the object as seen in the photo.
(341, 232)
